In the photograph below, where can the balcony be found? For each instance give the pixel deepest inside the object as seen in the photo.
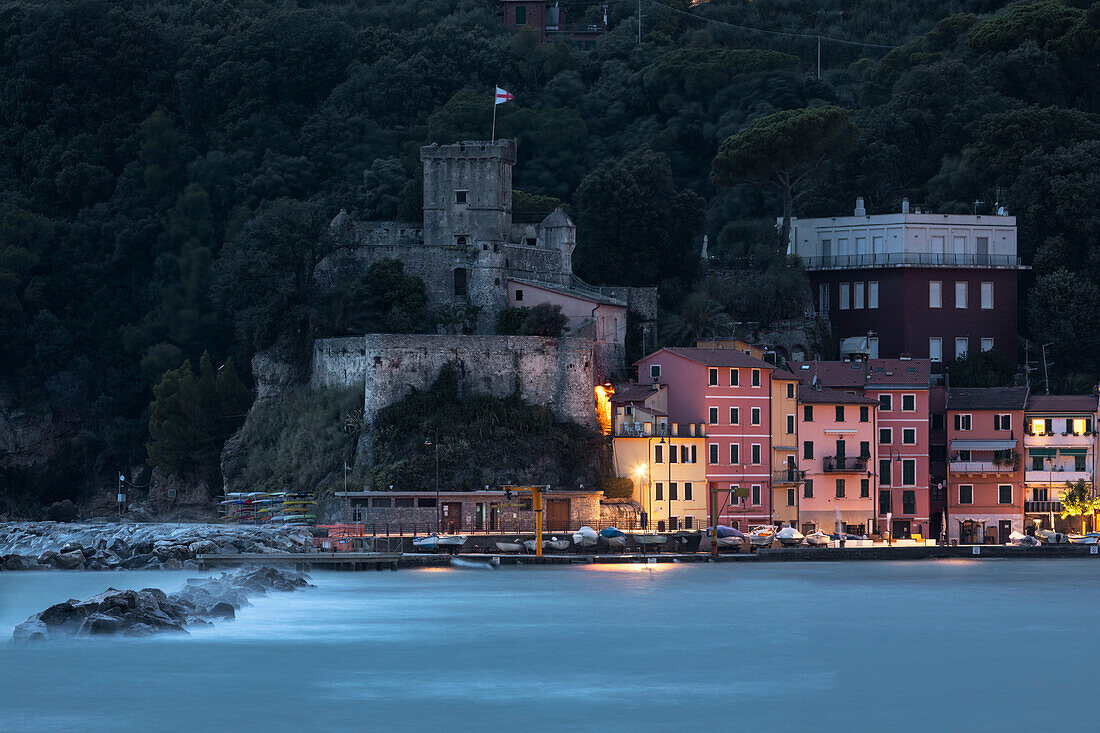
(981, 467)
(923, 259)
(845, 464)
(1056, 477)
(788, 476)
(1058, 439)
(1042, 507)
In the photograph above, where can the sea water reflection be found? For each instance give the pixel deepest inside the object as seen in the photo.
(974, 645)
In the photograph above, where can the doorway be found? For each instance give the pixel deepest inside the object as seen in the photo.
(1004, 529)
(452, 516)
(479, 517)
(494, 517)
(557, 515)
(900, 529)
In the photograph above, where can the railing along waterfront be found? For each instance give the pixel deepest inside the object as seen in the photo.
(507, 527)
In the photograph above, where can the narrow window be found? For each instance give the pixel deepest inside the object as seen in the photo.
(858, 296)
(734, 378)
(807, 413)
(864, 449)
(713, 416)
(884, 471)
(735, 416)
(885, 436)
(756, 494)
(935, 294)
(672, 454)
(790, 390)
(987, 296)
(658, 453)
(684, 454)
(460, 282)
(840, 488)
(756, 454)
(790, 424)
(840, 413)
(864, 413)
(960, 294)
(908, 502)
(962, 346)
(654, 369)
(735, 453)
(885, 402)
(754, 415)
(790, 497)
(460, 197)
(755, 377)
(1004, 494)
(843, 303)
(713, 377)
(864, 488)
(966, 494)
(713, 453)
(694, 455)
(909, 403)
(908, 472)
(808, 489)
(807, 449)
(687, 491)
(884, 503)
(521, 15)
(909, 436)
(673, 493)
(872, 294)
(935, 348)
(659, 491)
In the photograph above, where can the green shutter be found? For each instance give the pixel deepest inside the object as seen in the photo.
(1074, 451)
(1040, 451)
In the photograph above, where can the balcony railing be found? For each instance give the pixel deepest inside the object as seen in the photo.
(788, 476)
(1056, 477)
(1042, 507)
(981, 467)
(845, 464)
(891, 259)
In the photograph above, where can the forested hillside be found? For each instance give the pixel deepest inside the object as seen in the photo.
(166, 167)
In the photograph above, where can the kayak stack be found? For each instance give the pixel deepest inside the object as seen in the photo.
(285, 508)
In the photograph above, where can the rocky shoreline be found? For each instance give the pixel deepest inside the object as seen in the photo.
(151, 610)
(65, 546)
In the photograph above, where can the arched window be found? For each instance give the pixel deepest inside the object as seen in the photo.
(460, 241)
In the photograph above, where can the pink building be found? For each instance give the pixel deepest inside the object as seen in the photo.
(901, 389)
(730, 393)
(837, 460)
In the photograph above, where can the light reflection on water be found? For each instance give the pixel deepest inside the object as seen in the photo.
(865, 646)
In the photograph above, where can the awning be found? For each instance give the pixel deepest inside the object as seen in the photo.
(1040, 452)
(983, 444)
(1074, 451)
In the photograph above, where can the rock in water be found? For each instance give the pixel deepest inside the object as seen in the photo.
(141, 612)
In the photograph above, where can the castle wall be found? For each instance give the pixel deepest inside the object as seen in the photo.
(555, 372)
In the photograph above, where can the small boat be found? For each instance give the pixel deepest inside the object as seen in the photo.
(817, 539)
(762, 535)
(440, 542)
(1019, 539)
(728, 537)
(556, 545)
(585, 537)
(645, 539)
(687, 540)
(1050, 537)
(1083, 539)
(613, 537)
(514, 546)
(789, 537)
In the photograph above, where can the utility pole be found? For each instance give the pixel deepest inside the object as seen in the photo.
(819, 57)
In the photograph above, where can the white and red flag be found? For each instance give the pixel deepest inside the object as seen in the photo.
(503, 96)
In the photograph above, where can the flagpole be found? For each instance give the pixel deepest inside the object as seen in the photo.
(494, 137)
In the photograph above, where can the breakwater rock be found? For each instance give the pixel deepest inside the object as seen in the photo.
(148, 611)
(38, 545)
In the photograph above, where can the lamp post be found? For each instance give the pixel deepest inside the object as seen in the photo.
(435, 444)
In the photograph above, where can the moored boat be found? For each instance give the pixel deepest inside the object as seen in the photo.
(514, 546)
(557, 545)
(440, 542)
(646, 539)
(789, 537)
(1083, 539)
(817, 539)
(761, 536)
(613, 537)
(1019, 539)
(585, 537)
(728, 537)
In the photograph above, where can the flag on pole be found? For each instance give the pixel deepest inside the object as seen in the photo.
(503, 96)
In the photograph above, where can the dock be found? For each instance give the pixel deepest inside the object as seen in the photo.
(393, 560)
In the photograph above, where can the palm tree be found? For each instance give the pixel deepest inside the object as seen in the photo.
(699, 317)
(1078, 500)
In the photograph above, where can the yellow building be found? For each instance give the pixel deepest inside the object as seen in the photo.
(784, 423)
(666, 461)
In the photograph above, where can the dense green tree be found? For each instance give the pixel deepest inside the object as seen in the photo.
(982, 369)
(1062, 308)
(1078, 500)
(384, 299)
(698, 317)
(633, 226)
(781, 149)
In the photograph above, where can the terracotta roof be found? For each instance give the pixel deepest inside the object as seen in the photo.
(778, 373)
(878, 372)
(826, 396)
(720, 358)
(632, 392)
(986, 398)
(592, 296)
(1061, 403)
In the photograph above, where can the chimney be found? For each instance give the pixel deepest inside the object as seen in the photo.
(860, 210)
(905, 205)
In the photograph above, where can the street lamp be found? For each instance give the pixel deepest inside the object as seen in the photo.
(435, 443)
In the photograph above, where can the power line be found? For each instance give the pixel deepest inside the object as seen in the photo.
(788, 34)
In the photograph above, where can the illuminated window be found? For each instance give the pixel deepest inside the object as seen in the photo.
(1037, 426)
(1078, 427)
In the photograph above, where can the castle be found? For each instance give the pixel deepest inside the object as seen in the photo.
(475, 261)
